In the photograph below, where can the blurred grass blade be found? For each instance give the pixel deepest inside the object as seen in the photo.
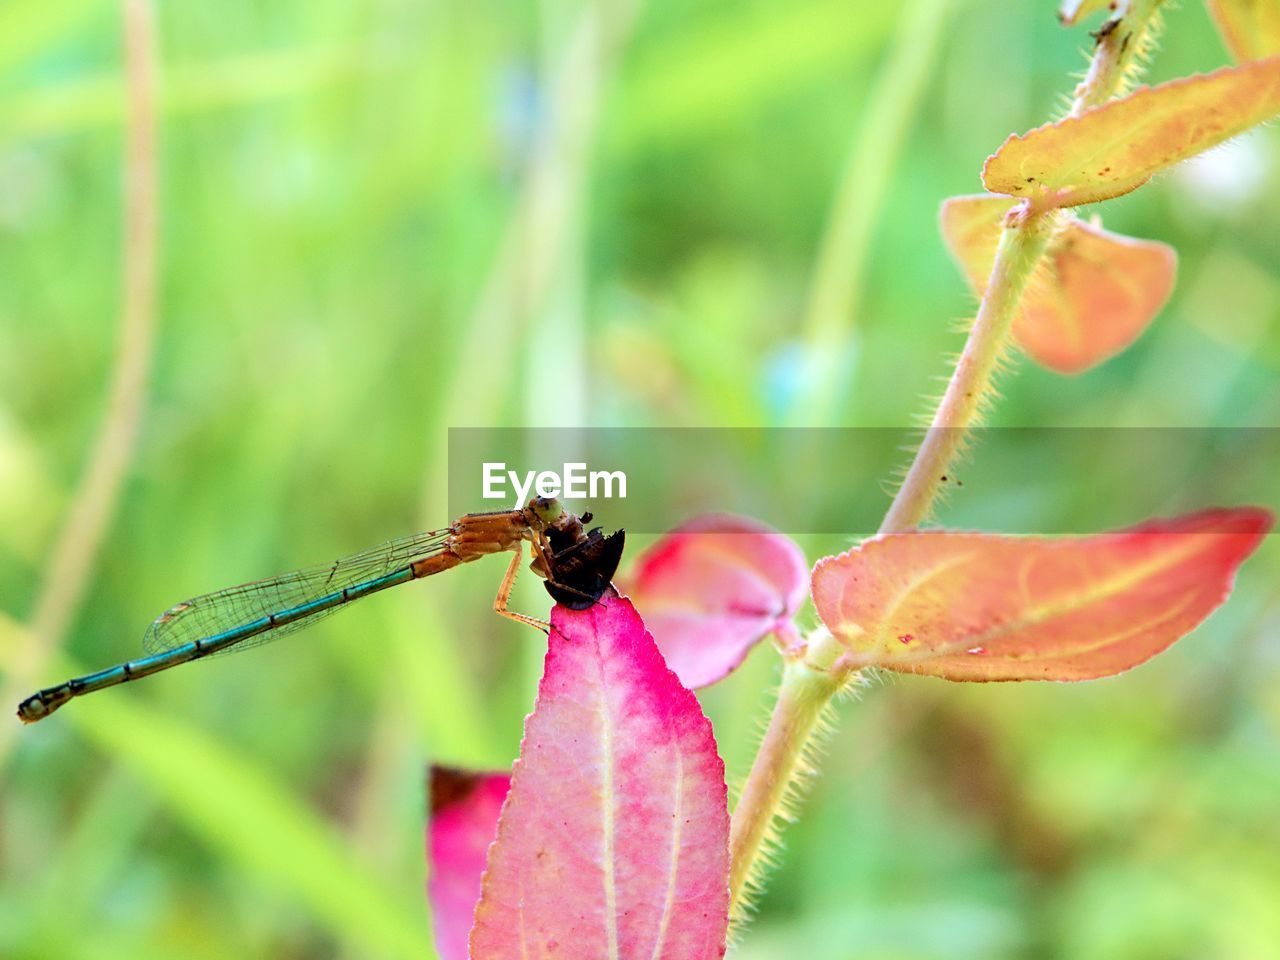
(188, 88)
(251, 818)
(731, 66)
(843, 257)
(32, 27)
(73, 560)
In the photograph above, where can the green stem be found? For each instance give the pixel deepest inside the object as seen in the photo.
(1026, 234)
(807, 688)
(1119, 47)
(809, 685)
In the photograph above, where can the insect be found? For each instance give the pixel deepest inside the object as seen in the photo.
(576, 564)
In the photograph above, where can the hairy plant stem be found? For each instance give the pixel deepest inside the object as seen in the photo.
(1025, 236)
(1119, 47)
(808, 686)
(810, 683)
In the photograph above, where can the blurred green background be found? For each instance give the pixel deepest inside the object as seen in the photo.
(380, 220)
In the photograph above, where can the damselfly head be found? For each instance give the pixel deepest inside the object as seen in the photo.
(545, 510)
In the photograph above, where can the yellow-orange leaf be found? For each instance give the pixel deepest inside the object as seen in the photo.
(1251, 28)
(1116, 147)
(1093, 293)
(971, 606)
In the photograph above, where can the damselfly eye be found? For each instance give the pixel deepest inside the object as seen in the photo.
(546, 509)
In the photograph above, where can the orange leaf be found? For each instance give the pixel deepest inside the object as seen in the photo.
(972, 606)
(1250, 28)
(1093, 294)
(1117, 147)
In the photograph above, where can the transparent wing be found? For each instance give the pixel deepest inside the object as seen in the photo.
(232, 607)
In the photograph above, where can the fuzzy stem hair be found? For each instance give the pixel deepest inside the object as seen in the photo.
(812, 679)
(1121, 49)
(785, 758)
(1026, 235)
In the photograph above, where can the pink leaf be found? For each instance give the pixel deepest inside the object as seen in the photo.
(614, 838)
(972, 606)
(712, 589)
(464, 821)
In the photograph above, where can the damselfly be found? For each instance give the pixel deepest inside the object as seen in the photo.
(576, 564)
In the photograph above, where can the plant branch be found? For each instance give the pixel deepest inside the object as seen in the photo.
(806, 692)
(1121, 45)
(809, 686)
(1025, 236)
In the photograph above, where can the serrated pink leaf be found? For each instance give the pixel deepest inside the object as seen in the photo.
(1092, 295)
(713, 588)
(464, 821)
(614, 839)
(1116, 147)
(972, 606)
